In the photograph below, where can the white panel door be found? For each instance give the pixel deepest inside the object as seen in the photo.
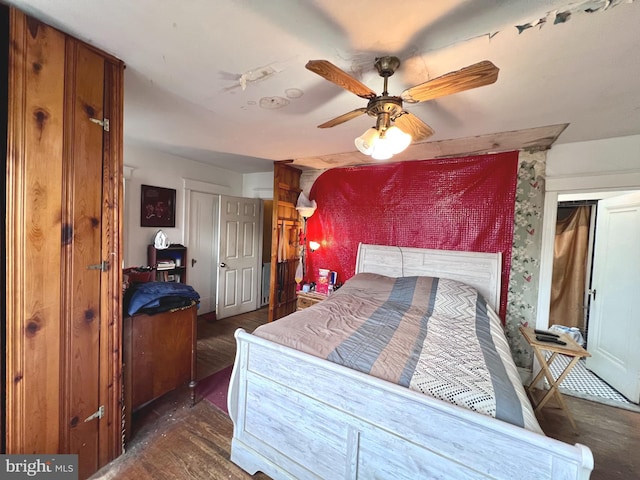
(614, 320)
(202, 248)
(239, 256)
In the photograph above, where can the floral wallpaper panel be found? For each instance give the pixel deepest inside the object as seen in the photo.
(525, 255)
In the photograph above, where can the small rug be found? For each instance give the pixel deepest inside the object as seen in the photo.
(583, 383)
(214, 388)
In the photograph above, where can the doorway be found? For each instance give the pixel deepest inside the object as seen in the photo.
(202, 243)
(583, 266)
(223, 235)
(239, 255)
(573, 251)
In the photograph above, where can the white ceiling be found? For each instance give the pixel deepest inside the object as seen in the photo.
(224, 81)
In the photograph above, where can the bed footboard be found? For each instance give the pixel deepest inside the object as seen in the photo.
(298, 416)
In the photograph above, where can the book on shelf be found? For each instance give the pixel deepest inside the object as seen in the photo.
(165, 265)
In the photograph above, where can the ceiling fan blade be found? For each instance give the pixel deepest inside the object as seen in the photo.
(329, 71)
(409, 123)
(343, 118)
(473, 76)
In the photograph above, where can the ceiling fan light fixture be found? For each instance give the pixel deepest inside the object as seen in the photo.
(389, 108)
(398, 140)
(383, 143)
(383, 149)
(365, 142)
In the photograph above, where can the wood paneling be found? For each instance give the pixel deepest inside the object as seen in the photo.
(4, 98)
(110, 445)
(34, 226)
(267, 228)
(64, 190)
(285, 249)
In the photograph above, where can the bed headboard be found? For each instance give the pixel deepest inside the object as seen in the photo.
(479, 270)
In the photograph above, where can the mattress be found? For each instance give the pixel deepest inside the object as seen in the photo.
(432, 335)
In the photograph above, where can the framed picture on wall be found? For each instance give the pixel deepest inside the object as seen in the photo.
(157, 207)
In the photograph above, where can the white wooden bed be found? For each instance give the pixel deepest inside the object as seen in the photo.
(298, 416)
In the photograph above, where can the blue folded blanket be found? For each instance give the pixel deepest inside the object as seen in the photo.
(153, 295)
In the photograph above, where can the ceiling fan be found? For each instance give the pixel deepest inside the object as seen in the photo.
(388, 109)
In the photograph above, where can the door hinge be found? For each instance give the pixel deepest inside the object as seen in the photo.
(98, 414)
(104, 123)
(103, 267)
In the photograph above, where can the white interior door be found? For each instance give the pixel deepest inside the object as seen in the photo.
(239, 272)
(614, 320)
(202, 251)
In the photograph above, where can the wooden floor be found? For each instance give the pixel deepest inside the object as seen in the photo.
(612, 434)
(172, 440)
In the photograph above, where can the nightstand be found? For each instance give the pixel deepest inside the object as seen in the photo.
(307, 299)
(569, 348)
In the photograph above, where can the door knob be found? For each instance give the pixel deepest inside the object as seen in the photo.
(223, 264)
(193, 262)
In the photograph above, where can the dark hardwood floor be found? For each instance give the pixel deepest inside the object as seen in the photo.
(172, 440)
(612, 434)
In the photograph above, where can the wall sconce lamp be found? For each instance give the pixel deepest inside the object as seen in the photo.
(313, 246)
(305, 208)
(384, 140)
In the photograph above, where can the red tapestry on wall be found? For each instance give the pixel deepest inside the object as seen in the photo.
(450, 204)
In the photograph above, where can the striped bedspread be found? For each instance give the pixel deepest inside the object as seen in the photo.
(432, 335)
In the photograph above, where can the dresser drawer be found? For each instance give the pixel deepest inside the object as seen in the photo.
(307, 299)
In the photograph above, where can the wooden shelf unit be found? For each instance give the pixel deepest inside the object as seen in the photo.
(174, 253)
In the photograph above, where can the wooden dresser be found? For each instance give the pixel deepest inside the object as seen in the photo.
(159, 355)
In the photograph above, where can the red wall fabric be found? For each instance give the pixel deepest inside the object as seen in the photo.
(451, 204)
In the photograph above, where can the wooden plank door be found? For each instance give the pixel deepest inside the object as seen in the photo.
(83, 256)
(285, 235)
(63, 247)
